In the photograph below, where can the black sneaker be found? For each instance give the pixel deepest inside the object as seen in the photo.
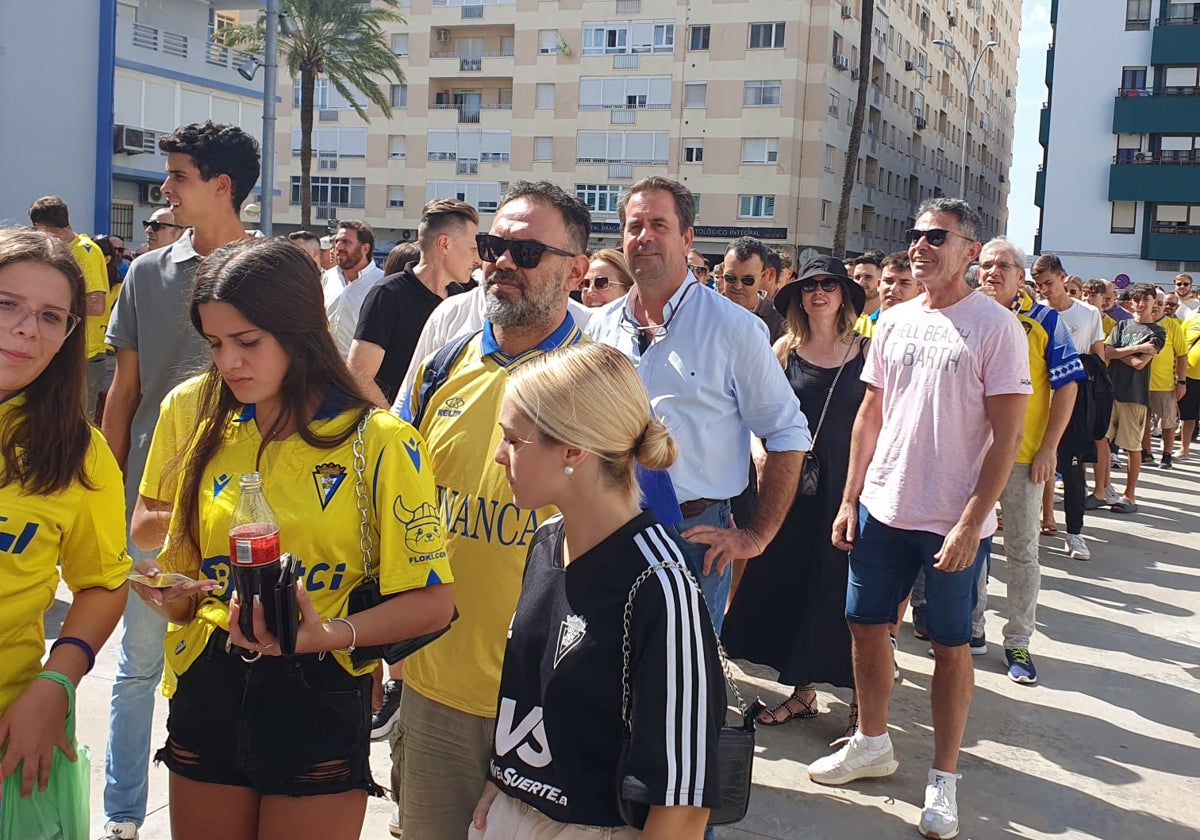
(383, 720)
(1166, 461)
(1148, 457)
(918, 623)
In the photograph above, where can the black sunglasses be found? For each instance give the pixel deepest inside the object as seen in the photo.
(157, 226)
(599, 283)
(934, 236)
(526, 253)
(747, 280)
(698, 270)
(810, 286)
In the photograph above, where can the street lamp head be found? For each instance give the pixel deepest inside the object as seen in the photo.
(248, 68)
(942, 42)
(991, 44)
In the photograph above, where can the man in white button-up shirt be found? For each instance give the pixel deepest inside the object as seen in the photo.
(347, 283)
(710, 373)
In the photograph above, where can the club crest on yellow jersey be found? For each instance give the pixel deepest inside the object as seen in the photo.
(328, 478)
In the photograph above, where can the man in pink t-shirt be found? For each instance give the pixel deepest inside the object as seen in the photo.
(933, 445)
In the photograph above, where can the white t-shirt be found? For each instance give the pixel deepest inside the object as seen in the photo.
(1187, 308)
(343, 301)
(1085, 324)
(935, 367)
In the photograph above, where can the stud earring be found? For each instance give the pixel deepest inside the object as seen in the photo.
(569, 470)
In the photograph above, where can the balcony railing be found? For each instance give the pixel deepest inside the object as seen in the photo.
(1182, 14)
(1175, 228)
(623, 116)
(467, 167)
(620, 170)
(1168, 157)
(626, 62)
(470, 65)
(1166, 90)
(472, 12)
(652, 106)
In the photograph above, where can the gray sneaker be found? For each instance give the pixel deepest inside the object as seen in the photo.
(854, 761)
(120, 831)
(939, 819)
(1077, 547)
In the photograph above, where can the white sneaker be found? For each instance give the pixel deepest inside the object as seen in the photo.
(854, 761)
(1111, 496)
(1077, 547)
(939, 820)
(120, 831)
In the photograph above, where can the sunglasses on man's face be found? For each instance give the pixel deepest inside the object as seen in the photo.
(699, 270)
(745, 279)
(599, 283)
(526, 253)
(157, 226)
(810, 286)
(934, 236)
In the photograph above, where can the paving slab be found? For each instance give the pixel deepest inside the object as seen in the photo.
(1106, 746)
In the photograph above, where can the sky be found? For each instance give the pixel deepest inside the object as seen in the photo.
(1031, 93)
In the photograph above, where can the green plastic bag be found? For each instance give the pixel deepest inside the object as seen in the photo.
(60, 812)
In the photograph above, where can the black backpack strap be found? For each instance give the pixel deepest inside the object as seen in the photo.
(437, 369)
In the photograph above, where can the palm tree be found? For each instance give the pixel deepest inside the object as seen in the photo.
(341, 40)
(856, 127)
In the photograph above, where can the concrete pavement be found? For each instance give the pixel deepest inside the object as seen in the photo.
(1106, 746)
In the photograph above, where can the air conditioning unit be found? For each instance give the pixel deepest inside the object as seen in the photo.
(908, 65)
(847, 11)
(406, 235)
(152, 194)
(921, 123)
(129, 140)
(443, 36)
(855, 75)
(841, 62)
(1002, 178)
(952, 20)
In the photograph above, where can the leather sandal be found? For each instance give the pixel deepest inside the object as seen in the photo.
(772, 717)
(851, 727)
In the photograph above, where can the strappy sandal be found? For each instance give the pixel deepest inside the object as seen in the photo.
(851, 727)
(771, 717)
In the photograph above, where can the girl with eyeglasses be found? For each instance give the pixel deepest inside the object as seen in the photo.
(607, 278)
(789, 609)
(63, 502)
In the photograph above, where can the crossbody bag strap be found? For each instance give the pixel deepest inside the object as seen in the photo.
(366, 540)
(829, 396)
(625, 649)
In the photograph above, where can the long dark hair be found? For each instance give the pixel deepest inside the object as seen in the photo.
(276, 287)
(110, 259)
(45, 446)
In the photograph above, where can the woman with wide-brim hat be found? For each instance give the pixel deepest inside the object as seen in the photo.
(789, 611)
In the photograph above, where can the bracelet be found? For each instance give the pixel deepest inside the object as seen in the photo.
(79, 643)
(1180, 381)
(353, 635)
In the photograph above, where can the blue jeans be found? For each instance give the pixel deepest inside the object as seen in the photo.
(139, 672)
(714, 586)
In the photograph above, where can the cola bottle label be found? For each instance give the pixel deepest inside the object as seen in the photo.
(254, 545)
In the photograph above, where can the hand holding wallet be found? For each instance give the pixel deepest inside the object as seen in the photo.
(287, 611)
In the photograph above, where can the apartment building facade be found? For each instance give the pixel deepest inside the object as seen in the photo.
(747, 103)
(169, 71)
(1119, 189)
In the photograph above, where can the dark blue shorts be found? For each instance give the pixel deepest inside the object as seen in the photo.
(883, 565)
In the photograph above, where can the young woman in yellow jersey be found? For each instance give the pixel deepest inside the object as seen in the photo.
(258, 745)
(60, 499)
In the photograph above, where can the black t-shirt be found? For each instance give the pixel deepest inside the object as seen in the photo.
(1129, 385)
(392, 317)
(558, 727)
(776, 323)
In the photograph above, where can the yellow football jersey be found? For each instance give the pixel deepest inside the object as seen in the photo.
(313, 494)
(95, 279)
(1162, 366)
(81, 529)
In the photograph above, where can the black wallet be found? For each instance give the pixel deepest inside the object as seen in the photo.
(287, 613)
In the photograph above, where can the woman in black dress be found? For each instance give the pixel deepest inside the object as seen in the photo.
(789, 610)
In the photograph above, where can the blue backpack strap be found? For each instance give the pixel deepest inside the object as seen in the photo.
(437, 370)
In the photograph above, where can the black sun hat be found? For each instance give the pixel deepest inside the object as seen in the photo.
(818, 267)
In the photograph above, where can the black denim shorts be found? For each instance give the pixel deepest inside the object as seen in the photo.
(284, 727)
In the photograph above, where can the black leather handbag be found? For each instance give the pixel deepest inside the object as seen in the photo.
(368, 594)
(735, 744)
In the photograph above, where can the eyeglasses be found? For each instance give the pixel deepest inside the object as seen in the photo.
(1180, 283)
(53, 323)
(934, 236)
(1170, 305)
(810, 286)
(157, 226)
(699, 270)
(659, 330)
(599, 283)
(746, 279)
(1007, 266)
(526, 253)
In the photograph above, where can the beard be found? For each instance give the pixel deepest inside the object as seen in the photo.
(524, 305)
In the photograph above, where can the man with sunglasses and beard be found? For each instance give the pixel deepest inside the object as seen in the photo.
(933, 445)
(161, 229)
(533, 257)
(711, 374)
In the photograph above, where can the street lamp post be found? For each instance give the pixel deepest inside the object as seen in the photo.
(247, 70)
(946, 42)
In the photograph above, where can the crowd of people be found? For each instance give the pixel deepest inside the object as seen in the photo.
(493, 444)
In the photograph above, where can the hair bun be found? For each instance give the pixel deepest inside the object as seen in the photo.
(655, 449)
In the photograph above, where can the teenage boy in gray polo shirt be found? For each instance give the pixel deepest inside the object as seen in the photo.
(210, 171)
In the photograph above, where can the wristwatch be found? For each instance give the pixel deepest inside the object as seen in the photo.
(1180, 381)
